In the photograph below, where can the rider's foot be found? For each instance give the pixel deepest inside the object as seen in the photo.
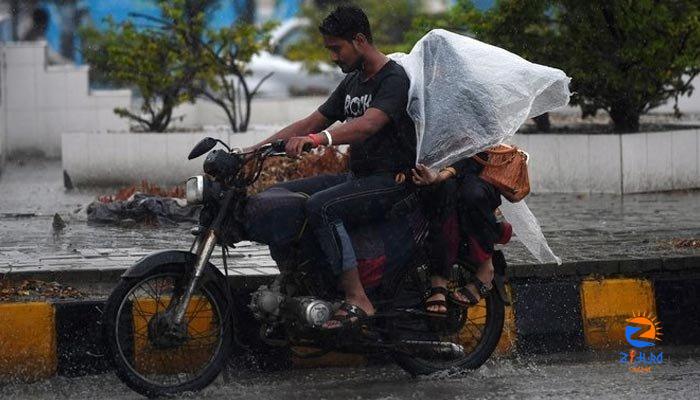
(345, 314)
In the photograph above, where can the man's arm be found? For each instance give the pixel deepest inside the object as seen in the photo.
(359, 129)
(354, 131)
(312, 123)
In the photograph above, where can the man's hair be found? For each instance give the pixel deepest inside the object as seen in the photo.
(346, 22)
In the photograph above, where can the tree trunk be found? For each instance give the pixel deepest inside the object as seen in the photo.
(625, 117)
(542, 122)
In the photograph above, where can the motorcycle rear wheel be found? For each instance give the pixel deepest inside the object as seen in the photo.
(149, 367)
(478, 329)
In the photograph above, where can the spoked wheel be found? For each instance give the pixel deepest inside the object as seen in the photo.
(465, 339)
(151, 356)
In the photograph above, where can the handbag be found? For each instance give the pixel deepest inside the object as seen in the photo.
(506, 169)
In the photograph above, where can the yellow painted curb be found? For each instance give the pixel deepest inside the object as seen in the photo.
(27, 341)
(606, 304)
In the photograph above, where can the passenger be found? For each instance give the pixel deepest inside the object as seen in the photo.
(458, 192)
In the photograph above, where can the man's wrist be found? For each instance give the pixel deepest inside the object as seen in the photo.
(316, 138)
(322, 138)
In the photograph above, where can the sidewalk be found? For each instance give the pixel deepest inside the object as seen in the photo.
(597, 233)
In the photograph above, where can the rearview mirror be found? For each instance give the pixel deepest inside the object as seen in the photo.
(202, 147)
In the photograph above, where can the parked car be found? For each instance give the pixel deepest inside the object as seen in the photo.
(290, 78)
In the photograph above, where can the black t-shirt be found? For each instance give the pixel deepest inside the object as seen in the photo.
(393, 147)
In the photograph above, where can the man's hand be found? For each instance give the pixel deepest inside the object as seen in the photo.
(295, 145)
(423, 175)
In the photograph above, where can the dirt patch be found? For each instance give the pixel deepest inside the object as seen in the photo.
(31, 290)
(680, 243)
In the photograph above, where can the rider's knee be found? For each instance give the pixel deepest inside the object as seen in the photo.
(314, 207)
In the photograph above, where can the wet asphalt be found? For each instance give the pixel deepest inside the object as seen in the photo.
(560, 376)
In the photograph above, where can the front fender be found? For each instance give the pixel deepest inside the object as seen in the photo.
(147, 264)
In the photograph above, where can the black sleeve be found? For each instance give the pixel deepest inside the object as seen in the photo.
(392, 96)
(334, 107)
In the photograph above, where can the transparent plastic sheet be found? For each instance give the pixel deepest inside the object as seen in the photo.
(528, 231)
(466, 96)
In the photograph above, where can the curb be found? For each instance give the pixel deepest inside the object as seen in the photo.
(556, 314)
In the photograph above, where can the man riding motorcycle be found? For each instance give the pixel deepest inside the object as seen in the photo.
(371, 100)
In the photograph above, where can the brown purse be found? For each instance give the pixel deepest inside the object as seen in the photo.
(506, 169)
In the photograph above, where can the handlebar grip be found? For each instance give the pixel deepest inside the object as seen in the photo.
(278, 146)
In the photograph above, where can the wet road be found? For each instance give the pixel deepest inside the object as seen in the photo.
(563, 376)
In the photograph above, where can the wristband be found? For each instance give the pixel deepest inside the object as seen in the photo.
(329, 138)
(316, 138)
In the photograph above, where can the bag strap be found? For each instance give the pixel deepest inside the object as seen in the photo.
(486, 163)
(501, 150)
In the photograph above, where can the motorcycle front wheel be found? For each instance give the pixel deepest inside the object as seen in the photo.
(151, 362)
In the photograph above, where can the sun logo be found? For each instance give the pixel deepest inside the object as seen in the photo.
(643, 331)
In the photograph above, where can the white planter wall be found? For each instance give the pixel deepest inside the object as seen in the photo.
(42, 101)
(264, 111)
(127, 158)
(631, 163)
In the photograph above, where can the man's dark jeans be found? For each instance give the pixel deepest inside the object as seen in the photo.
(341, 202)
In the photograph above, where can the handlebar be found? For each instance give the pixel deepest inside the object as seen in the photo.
(279, 145)
(257, 158)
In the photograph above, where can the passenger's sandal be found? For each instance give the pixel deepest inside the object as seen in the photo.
(436, 303)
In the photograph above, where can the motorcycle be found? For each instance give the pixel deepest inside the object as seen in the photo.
(173, 320)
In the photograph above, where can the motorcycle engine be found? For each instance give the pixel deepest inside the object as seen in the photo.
(265, 303)
(268, 304)
(314, 312)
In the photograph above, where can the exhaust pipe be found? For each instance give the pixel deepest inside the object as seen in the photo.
(433, 349)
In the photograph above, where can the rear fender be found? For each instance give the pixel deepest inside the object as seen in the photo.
(499, 278)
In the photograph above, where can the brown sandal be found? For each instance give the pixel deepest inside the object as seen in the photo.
(440, 303)
(471, 299)
(354, 317)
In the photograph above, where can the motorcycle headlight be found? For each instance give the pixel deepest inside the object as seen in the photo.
(194, 190)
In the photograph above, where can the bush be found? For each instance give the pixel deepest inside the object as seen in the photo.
(624, 57)
(174, 58)
(123, 55)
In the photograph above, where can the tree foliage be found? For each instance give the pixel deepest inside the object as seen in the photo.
(174, 57)
(123, 55)
(625, 57)
(389, 20)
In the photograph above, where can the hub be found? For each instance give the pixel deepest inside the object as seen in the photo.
(163, 333)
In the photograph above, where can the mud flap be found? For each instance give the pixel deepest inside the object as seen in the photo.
(499, 278)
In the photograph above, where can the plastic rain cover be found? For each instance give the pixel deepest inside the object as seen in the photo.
(466, 96)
